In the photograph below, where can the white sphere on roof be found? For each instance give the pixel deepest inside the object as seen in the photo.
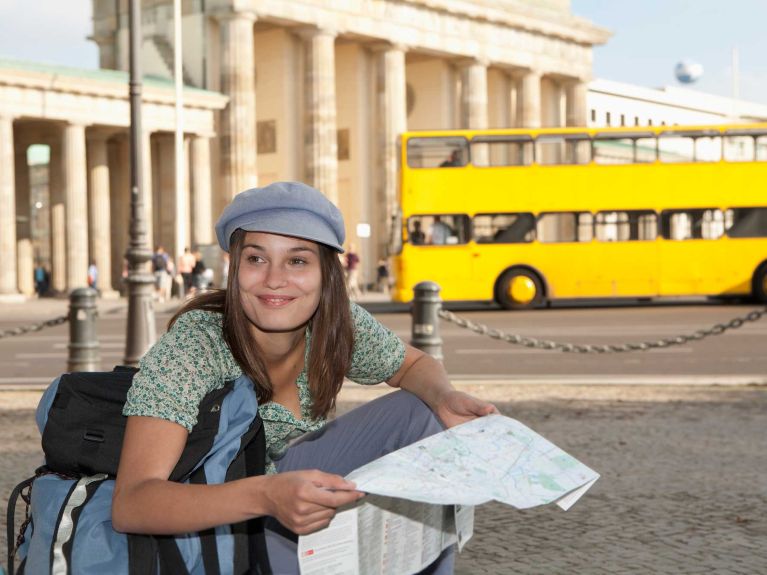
(688, 71)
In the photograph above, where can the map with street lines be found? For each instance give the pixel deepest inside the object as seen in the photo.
(489, 458)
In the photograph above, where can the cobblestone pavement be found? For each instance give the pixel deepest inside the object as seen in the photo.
(683, 487)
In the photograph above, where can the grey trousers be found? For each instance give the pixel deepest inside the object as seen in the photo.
(346, 443)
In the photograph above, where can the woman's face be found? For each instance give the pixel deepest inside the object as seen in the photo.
(280, 281)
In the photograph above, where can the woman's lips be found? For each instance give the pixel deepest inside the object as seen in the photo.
(275, 300)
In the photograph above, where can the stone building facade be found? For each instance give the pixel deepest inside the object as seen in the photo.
(308, 90)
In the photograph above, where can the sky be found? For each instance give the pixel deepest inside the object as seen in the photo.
(649, 38)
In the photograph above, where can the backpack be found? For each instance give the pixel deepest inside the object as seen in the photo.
(68, 527)
(159, 262)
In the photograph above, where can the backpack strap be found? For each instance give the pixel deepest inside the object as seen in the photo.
(255, 464)
(13, 544)
(207, 536)
(66, 524)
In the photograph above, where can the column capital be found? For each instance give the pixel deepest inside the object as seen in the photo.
(309, 32)
(378, 47)
(226, 14)
(472, 61)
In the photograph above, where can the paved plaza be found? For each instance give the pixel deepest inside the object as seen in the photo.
(683, 486)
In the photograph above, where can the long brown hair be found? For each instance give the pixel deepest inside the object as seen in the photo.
(332, 340)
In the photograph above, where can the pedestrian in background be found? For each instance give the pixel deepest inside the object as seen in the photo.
(185, 266)
(42, 280)
(93, 276)
(160, 261)
(352, 272)
(382, 276)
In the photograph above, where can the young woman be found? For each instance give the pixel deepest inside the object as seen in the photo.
(286, 322)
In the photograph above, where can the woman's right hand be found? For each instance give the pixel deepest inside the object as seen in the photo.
(306, 501)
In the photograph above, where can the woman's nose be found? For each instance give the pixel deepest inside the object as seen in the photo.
(276, 277)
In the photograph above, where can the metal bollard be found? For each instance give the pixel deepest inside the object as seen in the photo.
(83, 342)
(425, 331)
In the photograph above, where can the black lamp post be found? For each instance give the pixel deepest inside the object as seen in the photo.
(141, 322)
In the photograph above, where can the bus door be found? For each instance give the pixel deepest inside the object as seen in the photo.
(439, 251)
(626, 253)
(692, 261)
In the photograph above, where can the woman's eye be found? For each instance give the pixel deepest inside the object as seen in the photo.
(253, 259)
(297, 261)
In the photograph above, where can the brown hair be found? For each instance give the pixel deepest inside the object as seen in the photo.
(331, 326)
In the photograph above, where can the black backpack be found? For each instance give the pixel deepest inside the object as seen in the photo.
(83, 428)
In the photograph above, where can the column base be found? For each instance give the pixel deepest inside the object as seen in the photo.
(13, 298)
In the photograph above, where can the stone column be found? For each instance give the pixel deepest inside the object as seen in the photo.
(237, 135)
(531, 100)
(99, 220)
(24, 251)
(320, 98)
(8, 277)
(58, 220)
(392, 106)
(76, 205)
(165, 203)
(576, 107)
(119, 163)
(474, 96)
(202, 195)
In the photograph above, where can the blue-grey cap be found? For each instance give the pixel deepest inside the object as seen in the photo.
(286, 208)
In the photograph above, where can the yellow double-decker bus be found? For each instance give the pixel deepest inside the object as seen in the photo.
(524, 217)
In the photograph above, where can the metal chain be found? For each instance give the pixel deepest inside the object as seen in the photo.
(535, 343)
(34, 327)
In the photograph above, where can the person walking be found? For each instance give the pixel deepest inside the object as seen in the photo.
(285, 323)
(185, 265)
(352, 272)
(161, 270)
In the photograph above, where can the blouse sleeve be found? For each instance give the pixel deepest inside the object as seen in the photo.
(378, 352)
(185, 364)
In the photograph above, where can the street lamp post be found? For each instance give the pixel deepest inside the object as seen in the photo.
(141, 324)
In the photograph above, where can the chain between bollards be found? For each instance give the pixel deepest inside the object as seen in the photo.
(84, 352)
(425, 313)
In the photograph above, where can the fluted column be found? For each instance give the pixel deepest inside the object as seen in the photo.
(575, 106)
(99, 213)
(24, 251)
(58, 219)
(237, 135)
(320, 82)
(531, 100)
(474, 95)
(392, 98)
(8, 277)
(202, 195)
(76, 205)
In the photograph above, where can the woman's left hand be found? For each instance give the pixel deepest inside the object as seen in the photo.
(456, 407)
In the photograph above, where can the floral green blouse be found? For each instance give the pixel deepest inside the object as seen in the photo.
(192, 359)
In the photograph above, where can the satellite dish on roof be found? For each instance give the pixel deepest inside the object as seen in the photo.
(688, 72)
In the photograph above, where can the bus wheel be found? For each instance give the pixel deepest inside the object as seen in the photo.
(759, 284)
(519, 289)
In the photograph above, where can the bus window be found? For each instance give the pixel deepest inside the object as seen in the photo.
(437, 152)
(761, 149)
(708, 149)
(625, 148)
(676, 149)
(563, 149)
(441, 229)
(489, 151)
(556, 227)
(739, 148)
(692, 224)
(747, 222)
(635, 225)
(504, 228)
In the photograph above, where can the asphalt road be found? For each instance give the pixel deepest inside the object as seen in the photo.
(734, 357)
